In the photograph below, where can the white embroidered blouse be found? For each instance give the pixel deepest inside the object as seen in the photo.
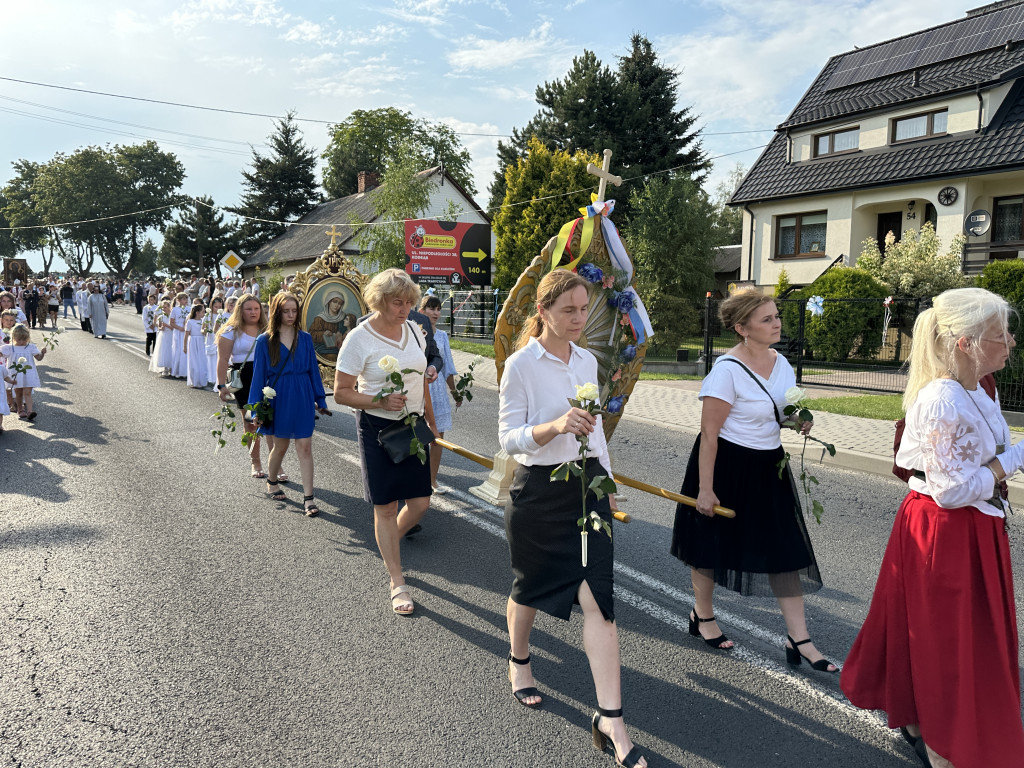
(951, 434)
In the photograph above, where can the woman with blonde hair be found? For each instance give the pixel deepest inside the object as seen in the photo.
(765, 550)
(284, 362)
(938, 650)
(236, 343)
(537, 428)
(388, 332)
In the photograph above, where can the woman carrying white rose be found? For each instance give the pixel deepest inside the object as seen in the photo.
(388, 342)
(285, 373)
(539, 427)
(765, 549)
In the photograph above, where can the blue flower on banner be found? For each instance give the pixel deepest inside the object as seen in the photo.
(614, 404)
(590, 273)
(624, 302)
(816, 305)
(628, 352)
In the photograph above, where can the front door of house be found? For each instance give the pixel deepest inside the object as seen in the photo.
(889, 222)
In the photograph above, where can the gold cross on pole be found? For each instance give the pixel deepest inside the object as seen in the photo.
(333, 232)
(603, 174)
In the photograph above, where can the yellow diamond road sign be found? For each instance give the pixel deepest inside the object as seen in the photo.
(232, 261)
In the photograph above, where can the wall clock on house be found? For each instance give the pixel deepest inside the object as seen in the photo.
(948, 195)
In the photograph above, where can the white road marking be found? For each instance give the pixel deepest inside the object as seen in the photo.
(127, 348)
(807, 689)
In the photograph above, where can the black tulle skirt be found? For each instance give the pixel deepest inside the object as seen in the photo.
(544, 542)
(765, 549)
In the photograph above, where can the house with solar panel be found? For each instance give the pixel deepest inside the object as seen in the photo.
(924, 127)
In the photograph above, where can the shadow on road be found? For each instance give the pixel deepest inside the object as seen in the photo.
(40, 536)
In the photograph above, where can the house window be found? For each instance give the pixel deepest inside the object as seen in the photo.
(919, 126)
(801, 235)
(846, 140)
(1008, 219)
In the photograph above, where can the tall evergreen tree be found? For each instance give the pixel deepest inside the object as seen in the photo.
(633, 111)
(197, 240)
(280, 187)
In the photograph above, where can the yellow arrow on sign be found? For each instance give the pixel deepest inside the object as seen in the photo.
(478, 254)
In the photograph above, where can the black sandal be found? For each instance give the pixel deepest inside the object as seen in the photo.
(917, 744)
(715, 642)
(523, 693)
(312, 510)
(277, 495)
(602, 740)
(794, 657)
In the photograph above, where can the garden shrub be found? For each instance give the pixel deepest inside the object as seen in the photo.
(845, 328)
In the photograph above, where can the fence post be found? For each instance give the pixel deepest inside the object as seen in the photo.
(708, 335)
(802, 306)
(483, 314)
(451, 319)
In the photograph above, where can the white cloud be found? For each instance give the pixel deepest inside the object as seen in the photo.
(250, 65)
(307, 32)
(306, 64)
(382, 34)
(483, 149)
(365, 80)
(249, 12)
(508, 93)
(480, 53)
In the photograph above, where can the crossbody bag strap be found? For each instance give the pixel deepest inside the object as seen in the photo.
(752, 375)
(286, 360)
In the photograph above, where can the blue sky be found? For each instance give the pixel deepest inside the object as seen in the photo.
(471, 64)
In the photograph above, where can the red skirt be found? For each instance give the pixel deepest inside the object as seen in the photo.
(939, 645)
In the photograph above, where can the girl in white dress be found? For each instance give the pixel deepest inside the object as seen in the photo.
(160, 362)
(194, 348)
(22, 351)
(211, 324)
(178, 319)
(8, 319)
(5, 380)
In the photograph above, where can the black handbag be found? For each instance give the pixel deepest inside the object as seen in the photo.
(396, 438)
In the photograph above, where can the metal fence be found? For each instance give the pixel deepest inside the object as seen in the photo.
(471, 314)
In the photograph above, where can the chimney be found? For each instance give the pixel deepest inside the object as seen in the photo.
(367, 180)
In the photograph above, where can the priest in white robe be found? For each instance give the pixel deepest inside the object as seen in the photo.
(99, 310)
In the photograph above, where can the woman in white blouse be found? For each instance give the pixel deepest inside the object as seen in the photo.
(938, 650)
(359, 380)
(539, 428)
(765, 549)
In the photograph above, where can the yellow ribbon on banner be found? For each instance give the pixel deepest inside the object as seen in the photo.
(564, 235)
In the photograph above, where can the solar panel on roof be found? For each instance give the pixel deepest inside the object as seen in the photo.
(962, 38)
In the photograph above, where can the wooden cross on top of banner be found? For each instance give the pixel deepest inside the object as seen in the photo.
(333, 232)
(603, 174)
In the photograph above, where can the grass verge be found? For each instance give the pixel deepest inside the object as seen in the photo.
(486, 350)
(887, 407)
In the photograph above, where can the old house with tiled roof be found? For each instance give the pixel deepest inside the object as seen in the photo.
(924, 127)
(305, 240)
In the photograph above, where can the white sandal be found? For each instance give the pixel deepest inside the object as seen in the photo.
(399, 590)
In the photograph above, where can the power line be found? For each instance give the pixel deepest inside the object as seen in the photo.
(277, 117)
(188, 200)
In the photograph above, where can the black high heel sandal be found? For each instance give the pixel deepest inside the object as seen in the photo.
(715, 642)
(602, 740)
(794, 657)
(523, 693)
(917, 744)
(312, 510)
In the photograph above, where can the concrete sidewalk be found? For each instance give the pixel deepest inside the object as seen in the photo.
(863, 445)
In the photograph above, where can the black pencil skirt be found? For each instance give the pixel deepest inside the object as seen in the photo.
(383, 480)
(544, 542)
(765, 549)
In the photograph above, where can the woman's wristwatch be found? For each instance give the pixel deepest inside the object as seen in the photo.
(220, 387)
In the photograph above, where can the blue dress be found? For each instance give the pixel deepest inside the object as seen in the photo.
(296, 379)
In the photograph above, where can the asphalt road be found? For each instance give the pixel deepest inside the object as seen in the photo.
(159, 610)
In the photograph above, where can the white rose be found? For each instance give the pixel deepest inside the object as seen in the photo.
(794, 395)
(22, 361)
(478, 359)
(269, 393)
(588, 391)
(388, 364)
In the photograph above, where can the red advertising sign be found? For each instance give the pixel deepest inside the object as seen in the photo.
(449, 252)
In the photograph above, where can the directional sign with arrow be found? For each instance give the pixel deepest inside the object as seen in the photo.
(449, 252)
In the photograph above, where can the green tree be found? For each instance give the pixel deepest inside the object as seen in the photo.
(197, 240)
(281, 187)
(366, 140)
(536, 205)
(844, 328)
(146, 261)
(673, 252)
(1005, 278)
(23, 210)
(729, 220)
(8, 247)
(913, 267)
(404, 193)
(633, 111)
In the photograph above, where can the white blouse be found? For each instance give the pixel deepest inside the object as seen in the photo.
(241, 346)
(535, 389)
(752, 421)
(363, 348)
(951, 434)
